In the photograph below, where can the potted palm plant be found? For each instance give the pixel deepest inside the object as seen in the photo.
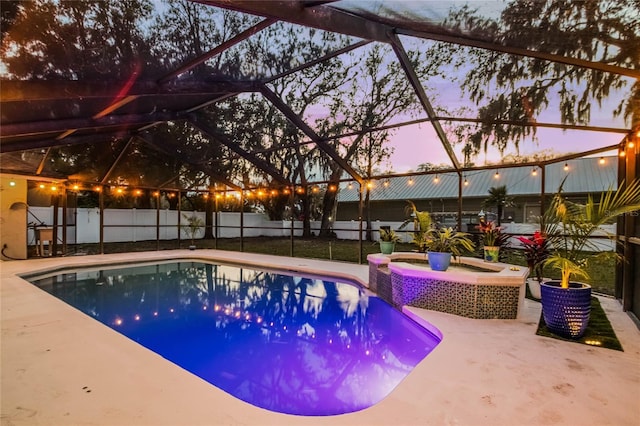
(566, 304)
(422, 223)
(388, 240)
(443, 243)
(192, 228)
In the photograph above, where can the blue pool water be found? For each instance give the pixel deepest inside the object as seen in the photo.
(285, 343)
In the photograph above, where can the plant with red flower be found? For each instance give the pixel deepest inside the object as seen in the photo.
(536, 252)
(491, 234)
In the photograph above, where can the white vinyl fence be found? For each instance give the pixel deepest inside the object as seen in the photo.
(131, 225)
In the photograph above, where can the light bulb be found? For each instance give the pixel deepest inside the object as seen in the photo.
(534, 172)
(566, 167)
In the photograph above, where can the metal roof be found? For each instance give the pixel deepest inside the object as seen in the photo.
(584, 175)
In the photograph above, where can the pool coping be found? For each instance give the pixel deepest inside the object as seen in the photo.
(50, 352)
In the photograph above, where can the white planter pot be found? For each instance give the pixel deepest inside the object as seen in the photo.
(534, 287)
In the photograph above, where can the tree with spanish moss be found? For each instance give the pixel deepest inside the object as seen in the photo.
(513, 88)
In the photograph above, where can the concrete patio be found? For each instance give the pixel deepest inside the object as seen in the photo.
(60, 367)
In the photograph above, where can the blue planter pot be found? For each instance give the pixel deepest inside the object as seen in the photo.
(439, 261)
(566, 311)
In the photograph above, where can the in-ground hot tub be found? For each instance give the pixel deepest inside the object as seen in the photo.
(470, 287)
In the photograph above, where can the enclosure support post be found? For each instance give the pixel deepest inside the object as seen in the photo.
(360, 206)
(241, 221)
(460, 202)
(65, 195)
(54, 243)
(215, 220)
(101, 202)
(542, 186)
(180, 217)
(158, 220)
(292, 228)
(628, 282)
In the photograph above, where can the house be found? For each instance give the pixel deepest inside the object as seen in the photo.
(438, 193)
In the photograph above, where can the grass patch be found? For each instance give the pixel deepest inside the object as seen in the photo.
(599, 331)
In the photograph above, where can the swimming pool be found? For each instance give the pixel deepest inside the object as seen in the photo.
(287, 343)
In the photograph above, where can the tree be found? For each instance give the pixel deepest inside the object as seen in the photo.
(499, 199)
(516, 88)
(377, 91)
(77, 40)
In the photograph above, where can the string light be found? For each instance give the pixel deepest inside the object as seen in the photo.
(42, 186)
(534, 172)
(622, 153)
(436, 179)
(386, 183)
(350, 186)
(410, 181)
(602, 160)
(466, 182)
(566, 167)
(497, 175)
(12, 182)
(370, 184)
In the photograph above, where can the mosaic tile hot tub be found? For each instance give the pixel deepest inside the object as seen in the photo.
(470, 288)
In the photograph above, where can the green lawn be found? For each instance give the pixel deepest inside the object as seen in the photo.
(602, 272)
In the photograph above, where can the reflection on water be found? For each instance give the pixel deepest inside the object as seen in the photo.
(285, 343)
